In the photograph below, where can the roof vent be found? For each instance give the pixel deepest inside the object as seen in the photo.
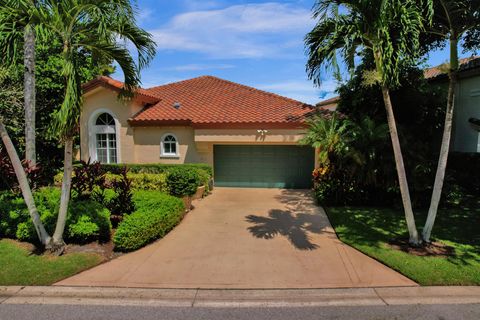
(177, 105)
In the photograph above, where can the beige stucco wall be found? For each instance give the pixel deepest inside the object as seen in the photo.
(142, 144)
(147, 145)
(102, 98)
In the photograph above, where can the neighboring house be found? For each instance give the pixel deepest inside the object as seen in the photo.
(466, 127)
(249, 136)
(329, 104)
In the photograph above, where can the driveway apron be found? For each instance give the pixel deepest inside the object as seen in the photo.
(246, 238)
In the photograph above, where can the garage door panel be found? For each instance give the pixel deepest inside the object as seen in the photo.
(263, 166)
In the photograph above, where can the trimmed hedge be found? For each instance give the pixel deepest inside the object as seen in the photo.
(140, 181)
(155, 216)
(144, 181)
(183, 181)
(156, 167)
(86, 220)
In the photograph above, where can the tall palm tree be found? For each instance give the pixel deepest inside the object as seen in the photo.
(453, 19)
(99, 27)
(390, 30)
(103, 28)
(15, 17)
(17, 26)
(29, 91)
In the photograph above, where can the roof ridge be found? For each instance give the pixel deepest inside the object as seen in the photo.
(258, 90)
(175, 83)
(231, 83)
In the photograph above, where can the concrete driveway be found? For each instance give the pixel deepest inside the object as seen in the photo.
(246, 238)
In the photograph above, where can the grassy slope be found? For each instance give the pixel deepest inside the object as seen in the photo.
(370, 229)
(20, 267)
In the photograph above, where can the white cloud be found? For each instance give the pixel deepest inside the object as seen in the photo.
(303, 91)
(239, 31)
(144, 14)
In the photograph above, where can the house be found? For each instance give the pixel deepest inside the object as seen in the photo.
(329, 104)
(466, 122)
(249, 136)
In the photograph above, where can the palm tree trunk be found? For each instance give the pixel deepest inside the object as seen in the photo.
(29, 93)
(23, 183)
(58, 242)
(402, 176)
(445, 147)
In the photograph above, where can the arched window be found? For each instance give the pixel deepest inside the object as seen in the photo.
(169, 146)
(105, 139)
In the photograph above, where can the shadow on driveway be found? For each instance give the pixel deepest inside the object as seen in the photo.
(295, 223)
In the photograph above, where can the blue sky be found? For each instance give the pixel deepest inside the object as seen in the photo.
(257, 43)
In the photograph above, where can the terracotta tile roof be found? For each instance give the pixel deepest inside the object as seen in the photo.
(465, 64)
(213, 102)
(329, 104)
(107, 82)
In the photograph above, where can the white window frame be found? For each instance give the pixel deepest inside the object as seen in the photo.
(93, 130)
(163, 154)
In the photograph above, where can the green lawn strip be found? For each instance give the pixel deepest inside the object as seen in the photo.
(370, 229)
(21, 267)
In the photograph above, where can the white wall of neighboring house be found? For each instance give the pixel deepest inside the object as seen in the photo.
(467, 105)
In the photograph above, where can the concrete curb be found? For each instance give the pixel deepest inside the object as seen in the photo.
(239, 298)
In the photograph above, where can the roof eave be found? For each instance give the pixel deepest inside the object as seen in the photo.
(99, 82)
(218, 125)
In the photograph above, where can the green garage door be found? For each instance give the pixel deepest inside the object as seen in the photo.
(263, 166)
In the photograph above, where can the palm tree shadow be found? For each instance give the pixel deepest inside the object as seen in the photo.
(294, 227)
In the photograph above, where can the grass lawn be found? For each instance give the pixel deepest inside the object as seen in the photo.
(20, 267)
(370, 229)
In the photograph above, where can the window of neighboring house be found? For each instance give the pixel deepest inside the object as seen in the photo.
(169, 146)
(105, 139)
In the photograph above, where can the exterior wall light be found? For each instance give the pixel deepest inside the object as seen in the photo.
(262, 132)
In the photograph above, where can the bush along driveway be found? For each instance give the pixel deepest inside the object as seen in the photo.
(457, 232)
(246, 238)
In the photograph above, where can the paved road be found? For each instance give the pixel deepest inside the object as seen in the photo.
(246, 238)
(418, 312)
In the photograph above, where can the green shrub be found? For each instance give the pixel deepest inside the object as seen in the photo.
(87, 221)
(12, 210)
(57, 179)
(143, 181)
(204, 179)
(16, 222)
(156, 167)
(122, 203)
(155, 216)
(182, 181)
(24, 231)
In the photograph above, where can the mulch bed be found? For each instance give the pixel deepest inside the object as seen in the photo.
(436, 249)
(103, 249)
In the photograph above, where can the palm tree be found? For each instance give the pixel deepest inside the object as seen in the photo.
(99, 27)
(102, 28)
(15, 99)
(13, 24)
(390, 31)
(29, 91)
(453, 19)
(15, 16)
(327, 135)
